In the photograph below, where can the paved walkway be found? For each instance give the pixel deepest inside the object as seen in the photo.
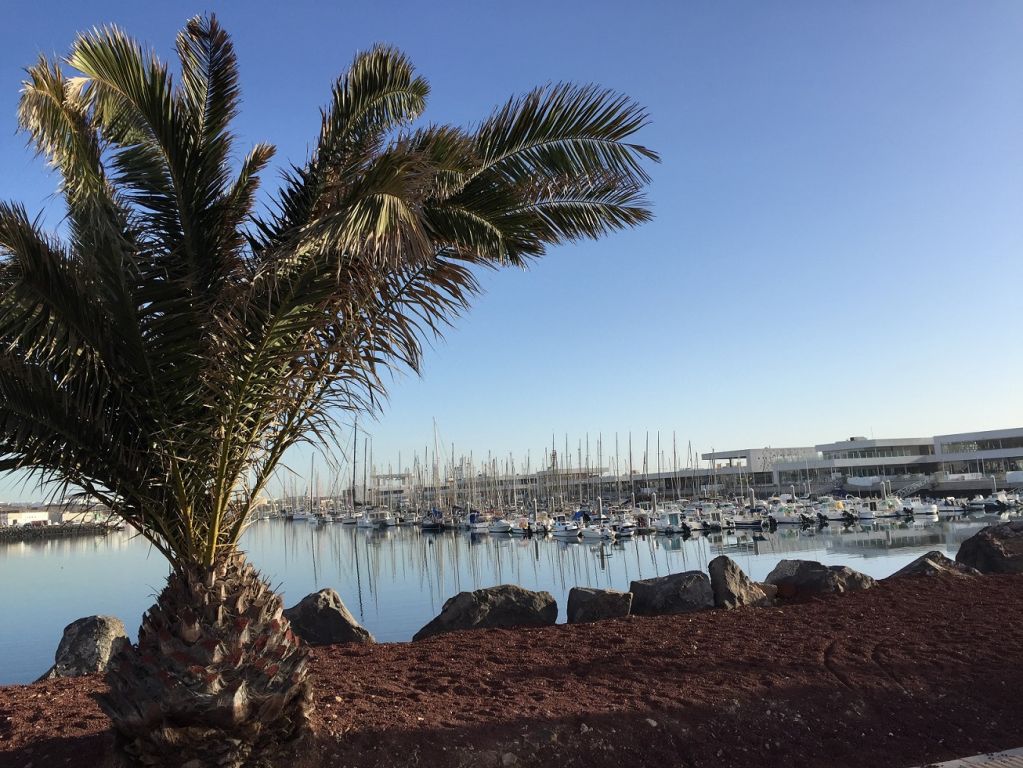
(1012, 758)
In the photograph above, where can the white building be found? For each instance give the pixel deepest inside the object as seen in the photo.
(24, 516)
(968, 461)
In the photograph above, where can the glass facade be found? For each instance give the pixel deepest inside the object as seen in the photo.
(983, 466)
(972, 446)
(886, 452)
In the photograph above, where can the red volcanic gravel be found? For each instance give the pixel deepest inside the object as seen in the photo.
(915, 670)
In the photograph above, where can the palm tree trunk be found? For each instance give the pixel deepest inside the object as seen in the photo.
(217, 678)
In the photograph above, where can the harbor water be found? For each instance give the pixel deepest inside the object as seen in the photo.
(395, 580)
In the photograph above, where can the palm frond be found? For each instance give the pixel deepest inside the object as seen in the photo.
(167, 351)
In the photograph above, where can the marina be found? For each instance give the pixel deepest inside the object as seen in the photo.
(497, 387)
(395, 579)
(958, 465)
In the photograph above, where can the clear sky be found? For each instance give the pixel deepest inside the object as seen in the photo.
(836, 249)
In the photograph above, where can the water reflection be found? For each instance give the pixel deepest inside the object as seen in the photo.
(395, 580)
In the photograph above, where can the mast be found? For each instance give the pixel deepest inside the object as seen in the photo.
(355, 457)
(618, 472)
(365, 469)
(674, 466)
(632, 487)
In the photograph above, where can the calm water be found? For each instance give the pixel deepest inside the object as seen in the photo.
(395, 581)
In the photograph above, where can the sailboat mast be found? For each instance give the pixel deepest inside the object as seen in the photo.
(632, 488)
(674, 465)
(355, 458)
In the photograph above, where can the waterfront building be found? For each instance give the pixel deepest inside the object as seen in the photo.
(960, 464)
(18, 516)
(942, 465)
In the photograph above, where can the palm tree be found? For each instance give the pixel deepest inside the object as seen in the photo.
(163, 350)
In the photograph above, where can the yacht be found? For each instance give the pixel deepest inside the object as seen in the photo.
(476, 522)
(920, 508)
(522, 526)
(705, 516)
(499, 526)
(376, 518)
(670, 522)
(834, 511)
(598, 531)
(564, 528)
(624, 525)
(432, 521)
(543, 523)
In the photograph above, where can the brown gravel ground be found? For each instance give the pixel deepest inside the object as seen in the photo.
(915, 670)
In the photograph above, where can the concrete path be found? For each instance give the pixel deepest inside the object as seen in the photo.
(1012, 758)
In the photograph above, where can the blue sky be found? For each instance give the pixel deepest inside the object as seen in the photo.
(836, 249)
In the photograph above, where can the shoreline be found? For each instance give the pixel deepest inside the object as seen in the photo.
(912, 671)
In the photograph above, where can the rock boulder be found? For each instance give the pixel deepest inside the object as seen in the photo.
(504, 606)
(677, 593)
(589, 604)
(934, 564)
(322, 619)
(770, 590)
(87, 646)
(996, 549)
(803, 578)
(731, 587)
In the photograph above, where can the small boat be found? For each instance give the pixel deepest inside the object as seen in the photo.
(920, 508)
(376, 518)
(432, 521)
(787, 514)
(499, 526)
(624, 525)
(599, 531)
(993, 502)
(565, 528)
(705, 516)
(951, 507)
(542, 523)
(477, 522)
(745, 519)
(523, 526)
(835, 511)
(670, 523)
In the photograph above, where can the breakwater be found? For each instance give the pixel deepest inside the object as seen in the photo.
(15, 533)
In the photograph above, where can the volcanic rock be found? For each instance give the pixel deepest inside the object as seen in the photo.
(934, 564)
(87, 646)
(322, 619)
(503, 606)
(677, 593)
(802, 578)
(731, 587)
(589, 604)
(995, 549)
